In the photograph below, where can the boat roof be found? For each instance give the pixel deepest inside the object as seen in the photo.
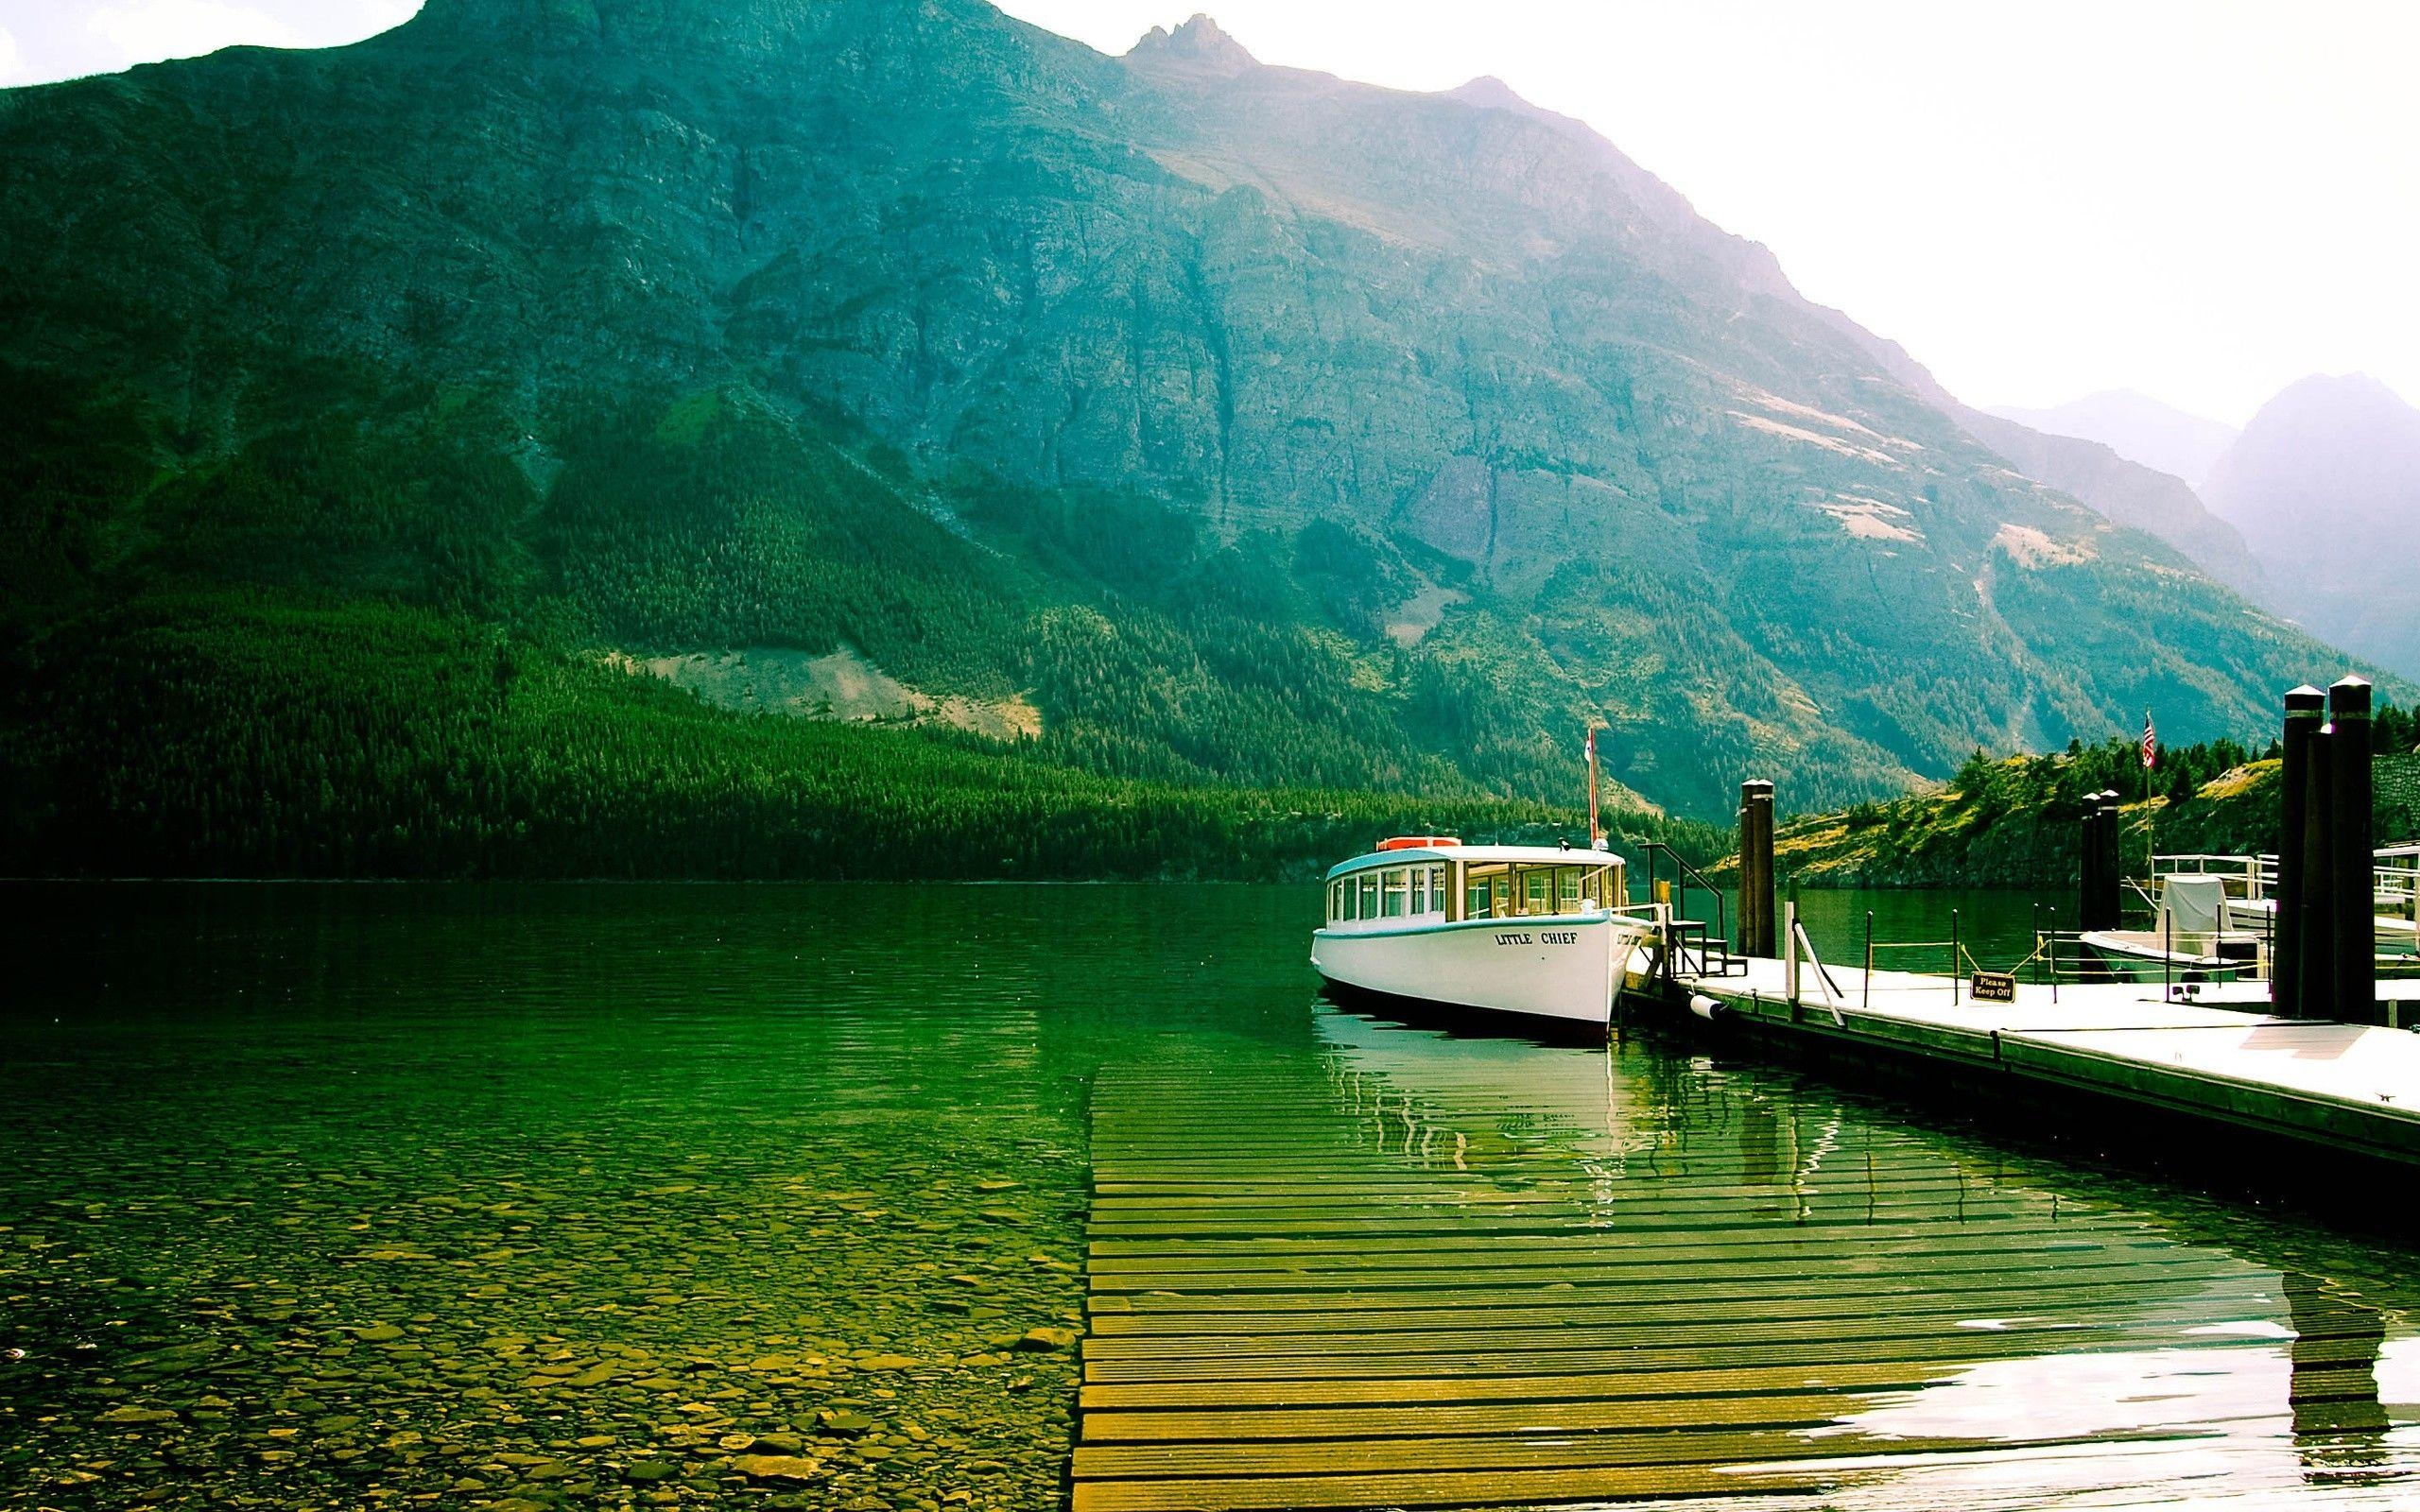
(1549, 854)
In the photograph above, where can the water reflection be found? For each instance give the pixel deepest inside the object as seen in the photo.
(1997, 1329)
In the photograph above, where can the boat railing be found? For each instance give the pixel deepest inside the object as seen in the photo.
(2396, 874)
(2244, 877)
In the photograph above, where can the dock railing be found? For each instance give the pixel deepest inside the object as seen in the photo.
(1708, 941)
(1960, 959)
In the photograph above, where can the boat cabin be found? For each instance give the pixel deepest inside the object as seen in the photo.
(1425, 881)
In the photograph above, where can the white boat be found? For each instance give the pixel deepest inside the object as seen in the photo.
(1533, 931)
(2249, 904)
(2191, 939)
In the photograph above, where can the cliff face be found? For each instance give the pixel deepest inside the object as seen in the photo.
(1473, 409)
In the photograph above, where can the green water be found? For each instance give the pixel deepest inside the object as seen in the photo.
(630, 1196)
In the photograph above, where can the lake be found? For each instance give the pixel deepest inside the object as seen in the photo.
(654, 1195)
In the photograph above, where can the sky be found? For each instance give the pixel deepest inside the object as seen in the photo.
(2198, 199)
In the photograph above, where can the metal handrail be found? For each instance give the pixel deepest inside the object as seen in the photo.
(1682, 872)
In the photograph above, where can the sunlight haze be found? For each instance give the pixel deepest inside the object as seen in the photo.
(2201, 202)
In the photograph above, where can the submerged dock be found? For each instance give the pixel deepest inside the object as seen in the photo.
(2218, 1055)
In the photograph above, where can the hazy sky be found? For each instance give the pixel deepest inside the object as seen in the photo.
(2197, 200)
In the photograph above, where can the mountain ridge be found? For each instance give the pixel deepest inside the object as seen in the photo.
(2137, 427)
(1159, 394)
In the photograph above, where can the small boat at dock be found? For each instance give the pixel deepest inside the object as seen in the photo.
(2191, 939)
(1538, 932)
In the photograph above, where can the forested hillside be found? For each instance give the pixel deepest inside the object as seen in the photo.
(2014, 821)
(247, 735)
(1220, 427)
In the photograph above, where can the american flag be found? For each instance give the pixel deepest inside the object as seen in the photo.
(2151, 743)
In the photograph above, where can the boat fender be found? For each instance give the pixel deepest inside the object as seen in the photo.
(1704, 1007)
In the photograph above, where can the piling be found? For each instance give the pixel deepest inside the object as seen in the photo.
(2355, 901)
(2100, 891)
(2113, 865)
(2305, 711)
(1756, 869)
(2316, 970)
(2088, 877)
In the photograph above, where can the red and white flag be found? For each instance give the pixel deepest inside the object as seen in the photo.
(2151, 743)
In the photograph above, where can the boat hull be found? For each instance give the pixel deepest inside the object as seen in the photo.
(1559, 967)
(2132, 956)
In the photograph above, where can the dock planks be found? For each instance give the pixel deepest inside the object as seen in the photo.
(1416, 1280)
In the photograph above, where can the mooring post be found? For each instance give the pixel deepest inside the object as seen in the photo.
(2111, 860)
(2349, 840)
(2088, 844)
(1789, 957)
(2101, 894)
(1869, 959)
(2167, 955)
(2316, 952)
(1954, 964)
(2304, 708)
(1757, 867)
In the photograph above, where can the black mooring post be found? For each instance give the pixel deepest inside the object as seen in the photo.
(2305, 709)
(2104, 906)
(2349, 842)
(1747, 823)
(2111, 860)
(1757, 807)
(2089, 843)
(2316, 970)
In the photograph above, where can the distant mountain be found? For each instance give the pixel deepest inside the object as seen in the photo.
(1218, 421)
(2127, 491)
(2325, 483)
(2137, 427)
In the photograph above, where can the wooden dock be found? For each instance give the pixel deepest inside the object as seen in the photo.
(2216, 1056)
(1420, 1272)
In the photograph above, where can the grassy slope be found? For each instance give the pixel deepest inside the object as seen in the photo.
(2015, 823)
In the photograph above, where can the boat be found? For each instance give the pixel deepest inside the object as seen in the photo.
(2249, 904)
(1536, 932)
(2191, 939)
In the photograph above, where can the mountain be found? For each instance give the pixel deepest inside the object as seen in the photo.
(2124, 491)
(2325, 483)
(1205, 421)
(2137, 427)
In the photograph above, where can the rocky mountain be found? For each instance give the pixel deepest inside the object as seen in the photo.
(1222, 422)
(2325, 483)
(2139, 428)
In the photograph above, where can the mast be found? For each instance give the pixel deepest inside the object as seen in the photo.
(1596, 835)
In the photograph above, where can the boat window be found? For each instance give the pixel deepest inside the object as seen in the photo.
(1335, 902)
(1566, 889)
(1499, 894)
(1398, 892)
(1477, 897)
(1369, 895)
(1420, 890)
(1537, 896)
(1437, 889)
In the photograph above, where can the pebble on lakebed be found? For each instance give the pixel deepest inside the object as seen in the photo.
(586, 1323)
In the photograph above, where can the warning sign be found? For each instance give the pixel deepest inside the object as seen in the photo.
(1994, 986)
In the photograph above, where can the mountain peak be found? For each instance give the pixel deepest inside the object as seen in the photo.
(1201, 43)
(1488, 90)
